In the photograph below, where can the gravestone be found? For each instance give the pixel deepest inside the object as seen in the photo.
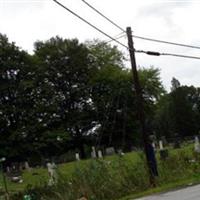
(161, 144)
(110, 151)
(26, 165)
(77, 156)
(100, 154)
(51, 167)
(93, 153)
(15, 173)
(154, 145)
(120, 152)
(8, 169)
(196, 145)
(133, 148)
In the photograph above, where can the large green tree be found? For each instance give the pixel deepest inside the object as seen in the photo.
(67, 95)
(16, 100)
(178, 112)
(65, 68)
(113, 95)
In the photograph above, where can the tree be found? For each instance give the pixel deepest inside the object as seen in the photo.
(16, 81)
(183, 112)
(175, 84)
(177, 113)
(65, 68)
(68, 95)
(114, 97)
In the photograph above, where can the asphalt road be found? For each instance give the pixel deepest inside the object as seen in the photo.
(189, 193)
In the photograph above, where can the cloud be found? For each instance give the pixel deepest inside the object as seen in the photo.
(163, 12)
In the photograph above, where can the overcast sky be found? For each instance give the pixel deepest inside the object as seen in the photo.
(26, 21)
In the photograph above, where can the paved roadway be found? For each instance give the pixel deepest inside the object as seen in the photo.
(189, 193)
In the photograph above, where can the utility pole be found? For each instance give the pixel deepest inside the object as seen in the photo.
(140, 104)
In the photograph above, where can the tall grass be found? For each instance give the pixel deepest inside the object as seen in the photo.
(108, 180)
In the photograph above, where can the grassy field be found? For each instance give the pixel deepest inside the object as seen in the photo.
(123, 175)
(38, 176)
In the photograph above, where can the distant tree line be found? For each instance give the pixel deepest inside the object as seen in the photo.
(71, 96)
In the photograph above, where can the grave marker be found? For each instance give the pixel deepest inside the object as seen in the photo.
(100, 154)
(196, 145)
(93, 153)
(161, 144)
(26, 165)
(110, 151)
(77, 156)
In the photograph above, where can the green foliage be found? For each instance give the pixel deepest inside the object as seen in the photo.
(117, 176)
(69, 94)
(16, 81)
(177, 112)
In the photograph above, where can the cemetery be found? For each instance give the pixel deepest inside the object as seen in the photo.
(77, 122)
(113, 165)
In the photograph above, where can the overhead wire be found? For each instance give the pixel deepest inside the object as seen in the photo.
(166, 42)
(111, 21)
(153, 53)
(179, 55)
(116, 37)
(100, 13)
(136, 36)
(113, 39)
(90, 24)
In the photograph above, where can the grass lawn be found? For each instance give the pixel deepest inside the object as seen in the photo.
(39, 175)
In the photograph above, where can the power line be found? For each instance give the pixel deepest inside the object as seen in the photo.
(178, 55)
(138, 51)
(154, 53)
(116, 37)
(136, 36)
(93, 26)
(100, 13)
(166, 42)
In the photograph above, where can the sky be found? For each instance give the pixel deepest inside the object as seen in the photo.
(27, 21)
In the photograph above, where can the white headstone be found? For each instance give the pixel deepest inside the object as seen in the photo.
(77, 156)
(120, 152)
(110, 151)
(161, 145)
(196, 140)
(100, 154)
(197, 145)
(8, 169)
(51, 167)
(26, 165)
(93, 153)
(154, 145)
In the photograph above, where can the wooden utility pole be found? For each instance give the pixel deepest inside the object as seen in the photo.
(140, 103)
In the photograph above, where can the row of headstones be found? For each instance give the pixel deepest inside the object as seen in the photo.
(111, 151)
(15, 168)
(161, 147)
(196, 145)
(98, 153)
